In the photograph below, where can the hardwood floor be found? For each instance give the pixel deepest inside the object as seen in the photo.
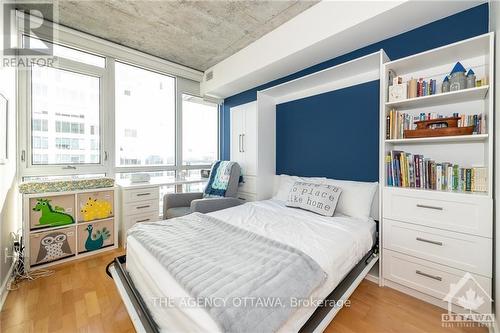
(80, 297)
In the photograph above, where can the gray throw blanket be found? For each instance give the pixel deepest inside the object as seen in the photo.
(256, 276)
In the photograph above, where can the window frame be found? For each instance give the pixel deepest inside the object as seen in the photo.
(27, 168)
(181, 160)
(146, 168)
(187, 81)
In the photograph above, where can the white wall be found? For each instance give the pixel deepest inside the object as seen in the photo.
(322, 32)
(495, 26)
(8, 191)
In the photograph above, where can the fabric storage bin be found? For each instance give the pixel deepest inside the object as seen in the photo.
(51, 211)
(52, 245)
(95, 235)
(95, 205)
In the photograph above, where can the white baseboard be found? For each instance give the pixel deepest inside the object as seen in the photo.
(372, 278)
(3, 289)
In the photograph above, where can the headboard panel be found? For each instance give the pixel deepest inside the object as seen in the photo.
(334, 135)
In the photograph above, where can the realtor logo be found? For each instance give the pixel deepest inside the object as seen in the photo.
(468, 304)
(12, 23)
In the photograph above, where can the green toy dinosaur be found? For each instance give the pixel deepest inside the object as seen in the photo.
(96, 242)
(51, 217)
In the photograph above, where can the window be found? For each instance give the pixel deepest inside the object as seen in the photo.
(66, 140)
(65, 52)
(40, 125)
(91, 113)
(40, 142)
(199, 131)
(144, 117)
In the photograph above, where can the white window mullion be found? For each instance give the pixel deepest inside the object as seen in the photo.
(109, 151)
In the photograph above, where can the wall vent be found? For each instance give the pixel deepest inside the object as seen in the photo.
(209, 76)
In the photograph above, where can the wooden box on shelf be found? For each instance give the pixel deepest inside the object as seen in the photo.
(424, 128)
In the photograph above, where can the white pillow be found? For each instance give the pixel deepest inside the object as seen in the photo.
(357, 197)
(317, 198)
(286, 182)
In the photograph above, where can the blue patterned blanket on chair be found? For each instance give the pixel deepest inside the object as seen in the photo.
(219, 179)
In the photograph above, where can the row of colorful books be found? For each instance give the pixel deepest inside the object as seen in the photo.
(397, 122)
(425, 88)
(415, 171)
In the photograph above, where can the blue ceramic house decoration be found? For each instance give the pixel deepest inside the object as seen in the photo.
(457, 78)
(446, 84)
(471, 79)
(458, 68)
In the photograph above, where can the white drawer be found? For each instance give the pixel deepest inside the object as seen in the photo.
(130, 220)
(467, 213)
(434, 279)
(465, 252)
(141, 207)
(140, 194)
(249, 185)
(247, 196)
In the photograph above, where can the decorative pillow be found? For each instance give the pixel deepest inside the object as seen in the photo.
(286, 182)
(318, 198)
(357, 197)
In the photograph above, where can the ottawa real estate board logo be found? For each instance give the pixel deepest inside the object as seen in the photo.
(27, 33)
(469, 305)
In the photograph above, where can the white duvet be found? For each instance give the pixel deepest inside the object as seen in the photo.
(336, 243)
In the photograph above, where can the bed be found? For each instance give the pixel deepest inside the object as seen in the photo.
(339, 244)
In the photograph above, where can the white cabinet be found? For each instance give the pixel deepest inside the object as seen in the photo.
(138, 204)
(244, 149)
(438, 242)
(244, 137)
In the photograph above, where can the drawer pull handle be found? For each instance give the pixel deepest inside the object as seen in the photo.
(141, 207)
(429, 207)
(142, 194)
(429, 241)
(145, 220)
(435, 277)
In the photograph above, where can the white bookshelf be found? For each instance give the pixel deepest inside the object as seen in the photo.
(468, 150)
(439, 139)
(452, 97)
(447, 218)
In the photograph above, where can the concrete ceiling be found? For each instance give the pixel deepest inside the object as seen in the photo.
(197, 34)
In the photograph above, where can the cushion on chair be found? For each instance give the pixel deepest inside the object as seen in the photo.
(234, 180)
(177, 212)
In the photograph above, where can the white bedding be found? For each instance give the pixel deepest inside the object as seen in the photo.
(336, 243)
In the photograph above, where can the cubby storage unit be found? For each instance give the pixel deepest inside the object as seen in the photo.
(62, 226)
(432, 238)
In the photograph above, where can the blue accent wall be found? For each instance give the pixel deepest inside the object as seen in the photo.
(333, 135)
(463, 25)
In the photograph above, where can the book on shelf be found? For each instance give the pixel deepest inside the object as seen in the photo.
(416, 171)
(426, 88)
(397, 122)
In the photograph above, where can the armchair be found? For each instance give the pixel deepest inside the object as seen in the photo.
(180, 204)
